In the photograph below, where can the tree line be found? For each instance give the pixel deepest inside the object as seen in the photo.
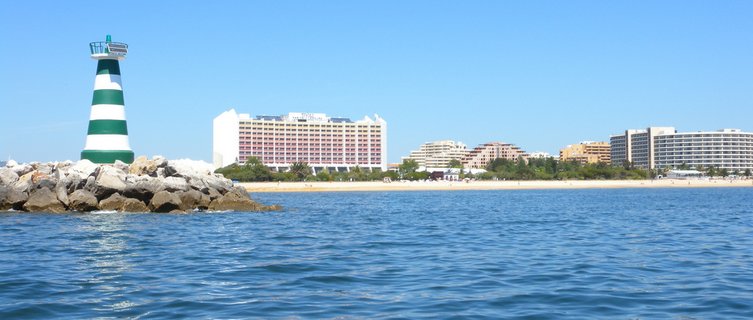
(552, 169)
(498, 169)
(710, 171)
(255, 170)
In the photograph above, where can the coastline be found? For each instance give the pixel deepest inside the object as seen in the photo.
(485, 185)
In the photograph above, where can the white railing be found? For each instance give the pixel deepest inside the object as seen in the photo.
(113, 48)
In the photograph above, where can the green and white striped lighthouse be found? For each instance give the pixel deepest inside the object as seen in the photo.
(107, 138)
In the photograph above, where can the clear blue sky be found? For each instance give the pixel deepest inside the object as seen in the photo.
(540, 74)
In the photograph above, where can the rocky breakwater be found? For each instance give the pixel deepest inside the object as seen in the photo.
(155, 185)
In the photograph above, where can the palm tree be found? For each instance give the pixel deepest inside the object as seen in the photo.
(355, 174)
(300, 169)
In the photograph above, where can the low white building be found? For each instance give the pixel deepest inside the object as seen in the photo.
(451, 174)
(685, 174)
(540, 155)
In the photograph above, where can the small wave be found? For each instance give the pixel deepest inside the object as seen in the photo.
(103, 212)
(216, 211)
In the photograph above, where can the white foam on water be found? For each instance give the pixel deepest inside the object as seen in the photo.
(218, 211)
(103, 212)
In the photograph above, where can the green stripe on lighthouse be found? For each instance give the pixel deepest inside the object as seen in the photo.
(107, 156)
(108, 127)
(107, 66)
(108, 96)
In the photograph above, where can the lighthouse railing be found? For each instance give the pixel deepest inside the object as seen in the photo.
(103, 47)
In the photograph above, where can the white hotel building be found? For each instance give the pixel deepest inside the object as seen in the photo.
(664, 147)
(324, 143)
(438, 154)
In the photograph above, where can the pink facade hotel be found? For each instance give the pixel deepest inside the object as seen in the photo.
(323, 142)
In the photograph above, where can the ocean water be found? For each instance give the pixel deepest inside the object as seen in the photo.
(548, 254)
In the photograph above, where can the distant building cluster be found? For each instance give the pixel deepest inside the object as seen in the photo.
(438, 154)
(664, 147)
(323, 142)
(340, 144)
(587, 152)
(650, 148)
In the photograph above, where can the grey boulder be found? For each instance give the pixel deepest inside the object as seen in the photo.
(114, 202)
(236, 199)
(193, 199)
(144, 190)
(164, 201)
(13, 199)
(7, 176)
(82, 201)
(61, 190)
(174, 184)
(134, 205)
(83, 168)
(109, 181)
(4, 205)
(43, 200)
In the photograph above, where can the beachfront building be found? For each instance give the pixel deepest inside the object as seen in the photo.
(587, 152)
(664, 147)
(323, 142)
(437, 154)
(636, 146)
(539, 155)
(481, 156)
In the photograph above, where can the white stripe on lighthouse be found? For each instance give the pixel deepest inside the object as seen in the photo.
(107, 142)
(107, 112)
(108, 81)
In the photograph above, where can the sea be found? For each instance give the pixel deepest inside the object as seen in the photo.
(679, 253)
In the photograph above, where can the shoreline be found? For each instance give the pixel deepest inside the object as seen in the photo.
(486, 185)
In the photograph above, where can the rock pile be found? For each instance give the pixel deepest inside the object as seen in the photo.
(155, 185)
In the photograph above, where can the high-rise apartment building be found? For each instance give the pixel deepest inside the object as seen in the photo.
(323, 142)
(437, 154)
(664, 147)
(587, 152)
(481, 156)
(636, 146)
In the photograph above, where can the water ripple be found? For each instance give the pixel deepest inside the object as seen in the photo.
(556, 254)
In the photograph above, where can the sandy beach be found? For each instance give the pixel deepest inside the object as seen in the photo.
(484, 185)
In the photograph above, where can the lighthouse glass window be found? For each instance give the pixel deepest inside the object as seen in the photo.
(117, 48)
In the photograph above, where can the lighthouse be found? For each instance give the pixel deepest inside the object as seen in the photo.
(107, 137)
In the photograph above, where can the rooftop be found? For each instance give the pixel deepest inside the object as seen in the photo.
(310, 117)
(659, 131)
